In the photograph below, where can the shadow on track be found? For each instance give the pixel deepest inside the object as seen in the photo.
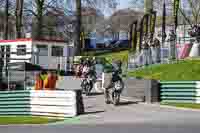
(127, 103)
(93, 112)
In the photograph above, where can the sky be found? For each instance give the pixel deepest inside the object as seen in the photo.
(124, 4)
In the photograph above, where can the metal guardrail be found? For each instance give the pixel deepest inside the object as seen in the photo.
(180, 91)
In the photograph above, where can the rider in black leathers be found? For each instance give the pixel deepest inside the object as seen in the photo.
(116, 70)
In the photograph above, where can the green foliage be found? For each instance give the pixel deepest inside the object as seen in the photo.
(118, 55)
(121, 55)
(182, 70)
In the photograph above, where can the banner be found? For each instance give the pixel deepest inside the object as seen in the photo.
(176, 7)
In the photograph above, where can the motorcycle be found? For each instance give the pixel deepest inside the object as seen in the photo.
(87, 84)
(113, 94)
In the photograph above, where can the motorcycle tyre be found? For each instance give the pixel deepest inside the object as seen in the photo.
(115, 98)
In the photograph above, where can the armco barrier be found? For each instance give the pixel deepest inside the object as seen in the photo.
(40, 103)
(180, 91)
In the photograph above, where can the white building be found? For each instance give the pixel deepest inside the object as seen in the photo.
(48, 53)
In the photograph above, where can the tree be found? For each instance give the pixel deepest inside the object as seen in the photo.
(18, 14)
(39, 17)
(195, 8)
(36, 10)
(92, 3)
(6, 19)
(148, 6)
(78, 28)
(157, 5)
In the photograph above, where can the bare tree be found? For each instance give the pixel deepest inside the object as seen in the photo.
(78, 28)
(157, 5)
(6, 19)
(39, 17)
(97, 4)
(195, 8)
(36, 10)
(18, 14)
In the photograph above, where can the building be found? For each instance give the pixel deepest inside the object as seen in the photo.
(49, 54)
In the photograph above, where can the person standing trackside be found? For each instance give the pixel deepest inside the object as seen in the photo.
(145, 51)
(153, 52)
(50, 81)
(158, 50)
(38, 82)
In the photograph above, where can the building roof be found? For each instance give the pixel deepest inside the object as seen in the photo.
(30, 39)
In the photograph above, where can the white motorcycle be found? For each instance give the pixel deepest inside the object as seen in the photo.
(88, 81)
(87, 84)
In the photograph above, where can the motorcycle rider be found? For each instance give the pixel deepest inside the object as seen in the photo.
(116, 70)
(88, 71)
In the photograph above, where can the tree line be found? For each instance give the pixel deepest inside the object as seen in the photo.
(42, 15)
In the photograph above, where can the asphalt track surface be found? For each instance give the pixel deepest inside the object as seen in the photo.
(128, 117)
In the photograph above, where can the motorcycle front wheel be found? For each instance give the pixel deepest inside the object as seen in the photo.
(88, 88)
(115, 98)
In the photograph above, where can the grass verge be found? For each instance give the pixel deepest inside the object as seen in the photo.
(182, 70)
(5, 120)
(183, 105)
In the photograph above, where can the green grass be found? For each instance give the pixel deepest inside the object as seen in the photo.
(183, 105)
(182, 70)
(5, 120)
(121, 55)
(108, 57)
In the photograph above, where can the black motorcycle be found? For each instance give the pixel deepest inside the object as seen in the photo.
(115, 89)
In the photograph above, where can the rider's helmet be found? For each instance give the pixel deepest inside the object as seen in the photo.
(117, 64)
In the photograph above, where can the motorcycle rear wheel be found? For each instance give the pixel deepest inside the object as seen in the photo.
(88, 88)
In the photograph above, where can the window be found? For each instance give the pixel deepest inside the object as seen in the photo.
(57, 51)
(21, 50)
(42, 50)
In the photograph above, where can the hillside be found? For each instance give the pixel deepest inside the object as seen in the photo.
(182, 70)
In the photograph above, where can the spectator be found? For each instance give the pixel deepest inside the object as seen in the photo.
(145, 51)
(38, 82)
(50, 81)
(157, 46)
(153, 51)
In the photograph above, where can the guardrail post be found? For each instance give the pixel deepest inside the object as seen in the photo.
(152, 91)
(79, 100)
